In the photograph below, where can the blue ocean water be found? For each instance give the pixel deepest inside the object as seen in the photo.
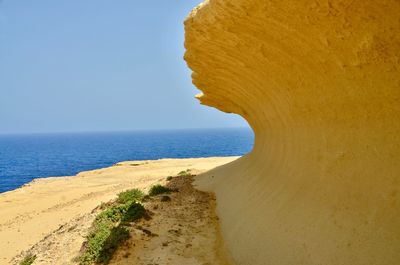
(26, 157)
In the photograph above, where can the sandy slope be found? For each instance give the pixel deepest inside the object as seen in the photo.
(49, 205)
(183, 231)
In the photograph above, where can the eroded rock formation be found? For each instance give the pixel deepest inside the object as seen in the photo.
(319, 83)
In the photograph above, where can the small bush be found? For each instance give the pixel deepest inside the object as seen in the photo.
(130, 195)
(103, 242)
(158, 189)
(28, 260)
(169, 178)
(118, 235)
(128, 212)
(96, 240)
(185, 173)
(109, 229)
(113, 213)
(134, 212)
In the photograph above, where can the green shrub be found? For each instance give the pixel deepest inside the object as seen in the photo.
(109, 229)
(134, 212)
(158, 189)
(95, 243)
(169, 178)
(184, 173)
(118, 235)
(28, 260)
(127, 212)
(102, 242)
(130, 195)
(114, 213)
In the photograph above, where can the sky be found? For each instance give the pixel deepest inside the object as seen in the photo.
(95, 65)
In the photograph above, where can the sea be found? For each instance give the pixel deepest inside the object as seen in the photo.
(24, 157)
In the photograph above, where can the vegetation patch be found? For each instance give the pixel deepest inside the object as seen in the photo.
(130, 195)
(110, 228)
(185, 173)
(158, 189)
(169, 178)
(28, 260)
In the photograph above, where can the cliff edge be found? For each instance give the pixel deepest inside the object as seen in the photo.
(319, 83)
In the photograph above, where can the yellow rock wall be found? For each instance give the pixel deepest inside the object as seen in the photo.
(319, 83)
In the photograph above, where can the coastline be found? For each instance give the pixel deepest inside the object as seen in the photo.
(38, 208)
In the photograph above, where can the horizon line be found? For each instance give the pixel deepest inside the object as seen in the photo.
(121, 131)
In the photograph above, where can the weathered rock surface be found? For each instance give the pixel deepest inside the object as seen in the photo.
(319, 83)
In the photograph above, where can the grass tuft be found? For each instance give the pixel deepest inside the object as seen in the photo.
(185, 173)
(28, 260)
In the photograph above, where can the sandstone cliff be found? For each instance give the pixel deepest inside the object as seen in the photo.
(319, 83)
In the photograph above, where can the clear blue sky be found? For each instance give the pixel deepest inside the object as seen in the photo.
(94, 65)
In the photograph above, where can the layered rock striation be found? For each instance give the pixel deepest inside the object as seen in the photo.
(319, 83)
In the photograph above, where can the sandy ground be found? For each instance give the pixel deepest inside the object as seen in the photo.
(54, 213)
(182, 231)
